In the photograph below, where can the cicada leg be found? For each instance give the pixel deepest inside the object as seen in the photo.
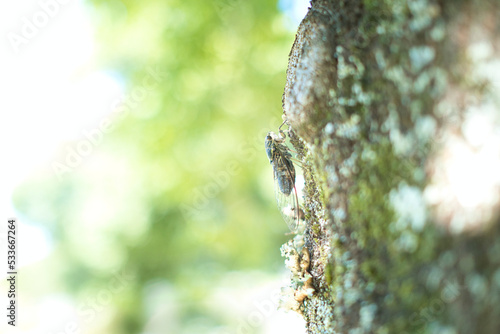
(297, 208)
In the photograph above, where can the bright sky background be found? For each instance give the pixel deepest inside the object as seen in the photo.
(51, 91)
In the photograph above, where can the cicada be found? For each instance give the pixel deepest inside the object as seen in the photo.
(284, 178)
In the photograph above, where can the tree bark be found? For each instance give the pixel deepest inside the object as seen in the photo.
(394, 108)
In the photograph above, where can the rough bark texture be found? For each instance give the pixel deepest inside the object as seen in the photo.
(377, 92)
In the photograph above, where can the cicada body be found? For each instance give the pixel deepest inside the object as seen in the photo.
(284, 178)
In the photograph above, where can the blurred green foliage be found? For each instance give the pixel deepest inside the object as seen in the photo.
(179, 190)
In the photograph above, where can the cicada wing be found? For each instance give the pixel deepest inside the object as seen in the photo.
(288, 203)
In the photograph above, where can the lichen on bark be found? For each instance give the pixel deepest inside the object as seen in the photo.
(374, 91)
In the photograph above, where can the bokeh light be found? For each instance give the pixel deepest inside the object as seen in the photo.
(133, 143)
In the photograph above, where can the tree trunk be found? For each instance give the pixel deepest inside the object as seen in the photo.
(393, 106)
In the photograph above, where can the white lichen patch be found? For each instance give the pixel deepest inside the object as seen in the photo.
(348, 166)
(367, 315)
(380, 58)
(287, 300)
(410, 207)
(477, 285)
(423, 14)
(407, 241)
(403, 143)
(425, 128)
(420, 56)
(349, 129)
(339, 214)
(438, 32)
(301, 287)
(434, 278)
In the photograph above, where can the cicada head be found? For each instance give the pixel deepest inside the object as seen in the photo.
(270, 147)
